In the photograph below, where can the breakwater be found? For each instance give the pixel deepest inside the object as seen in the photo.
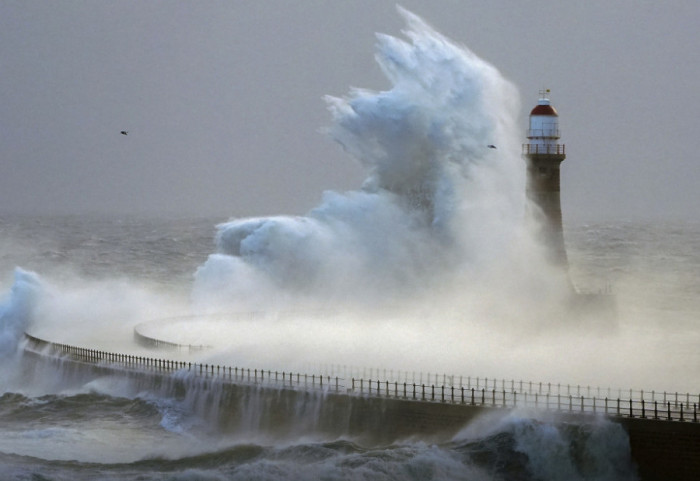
(663, 427)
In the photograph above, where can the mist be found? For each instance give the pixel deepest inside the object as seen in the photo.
(438, 207)
(431, 265)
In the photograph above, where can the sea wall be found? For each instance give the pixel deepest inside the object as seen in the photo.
(662, 449)
(278, 411)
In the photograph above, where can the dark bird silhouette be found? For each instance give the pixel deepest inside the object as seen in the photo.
(124, 132)
(491, 146)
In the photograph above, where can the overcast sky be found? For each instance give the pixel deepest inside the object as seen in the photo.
(223, 100)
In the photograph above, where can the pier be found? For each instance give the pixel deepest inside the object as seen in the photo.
(663, 428)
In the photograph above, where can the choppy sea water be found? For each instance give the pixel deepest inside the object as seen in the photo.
(96, 431)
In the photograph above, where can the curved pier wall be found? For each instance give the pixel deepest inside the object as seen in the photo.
(662, 450)
(279, 412)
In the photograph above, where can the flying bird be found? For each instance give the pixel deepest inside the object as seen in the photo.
(124, 132)
(491, 146)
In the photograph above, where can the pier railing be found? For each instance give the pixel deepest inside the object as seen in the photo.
(468, 391)
(665, 406)
(217, 373)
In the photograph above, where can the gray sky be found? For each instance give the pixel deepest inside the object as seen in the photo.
(223, 100)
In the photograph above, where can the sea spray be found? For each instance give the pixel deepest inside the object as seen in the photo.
(488, 347)
(16, 310)
(439, 210)
(526, 444)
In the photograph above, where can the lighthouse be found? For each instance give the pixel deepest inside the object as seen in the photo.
(544, 154)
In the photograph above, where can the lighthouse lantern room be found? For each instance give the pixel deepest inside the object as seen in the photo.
(543, 133)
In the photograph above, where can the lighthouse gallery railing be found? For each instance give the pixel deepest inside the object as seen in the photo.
(549, 149)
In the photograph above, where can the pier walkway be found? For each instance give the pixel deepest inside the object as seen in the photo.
(663, 428)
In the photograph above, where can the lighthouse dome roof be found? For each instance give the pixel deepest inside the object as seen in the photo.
(544, 108)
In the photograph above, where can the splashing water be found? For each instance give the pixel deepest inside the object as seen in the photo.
(438, 230)
(16, 309)
(440, 220)
(439, 207)
(527, 445)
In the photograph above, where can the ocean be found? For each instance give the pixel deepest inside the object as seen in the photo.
(95, 431)
(432, 269)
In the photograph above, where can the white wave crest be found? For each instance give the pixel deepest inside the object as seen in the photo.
(439, 205)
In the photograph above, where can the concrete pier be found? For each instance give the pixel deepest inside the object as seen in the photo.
(664, 437)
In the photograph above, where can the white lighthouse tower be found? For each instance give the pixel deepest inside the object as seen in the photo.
(544, 154)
